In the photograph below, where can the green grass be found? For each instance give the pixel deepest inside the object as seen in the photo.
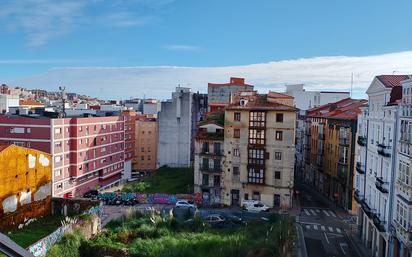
(36, 230)
(166, 180)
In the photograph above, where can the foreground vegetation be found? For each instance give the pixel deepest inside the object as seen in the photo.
(164, 180)
(150, 236)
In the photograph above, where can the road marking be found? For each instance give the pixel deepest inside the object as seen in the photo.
(330, 229)
(333, 214)
(307, 212)
(307, 227)
(312, 211)
(343, 244)
(317, 210)
(327, 240)
(327, 214)
(338, 229)
(315, 227)
(323, 228)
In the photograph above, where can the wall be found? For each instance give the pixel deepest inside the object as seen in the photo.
(71, 207)
(146, 145)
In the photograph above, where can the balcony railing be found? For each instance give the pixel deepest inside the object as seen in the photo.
(210, 169)
(360, 168)
(381, 185)
(384, 150)
(380, 224)
(343, 141)
(217, 152)
(358, 197)
(362, 140)
(368, 211)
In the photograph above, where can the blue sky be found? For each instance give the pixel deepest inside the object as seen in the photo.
(39, 36)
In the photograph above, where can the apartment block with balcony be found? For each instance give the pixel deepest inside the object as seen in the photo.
(129, 117)
(209, 159)
(259, 148)
(377, 169)
(329, 149)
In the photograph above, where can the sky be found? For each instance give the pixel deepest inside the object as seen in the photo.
(135, 48)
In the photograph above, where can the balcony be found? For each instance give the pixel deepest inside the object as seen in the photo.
(358, 197)
(343, 141)
(380, 224)
(217, 152)
(384, 150)
(368, 211)
(382, 185)
(362, 140)
(205, 168)
(360, 168)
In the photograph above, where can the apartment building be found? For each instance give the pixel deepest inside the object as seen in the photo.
(177, 127)
(219, 94)
(146, 145)
(129, 117)
(209, 159)
(259, 150)
(377, 169)
(87, 152)
(329, 149)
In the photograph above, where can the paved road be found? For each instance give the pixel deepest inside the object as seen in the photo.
(323, 230)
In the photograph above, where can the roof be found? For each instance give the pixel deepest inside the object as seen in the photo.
(347, 109)
(392, 80)
(3, 147)
(279, 95)
(29, 102)
(233, 82)
(258, 102)
(217, 104)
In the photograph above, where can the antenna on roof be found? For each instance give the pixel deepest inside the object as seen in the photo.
(351, 85)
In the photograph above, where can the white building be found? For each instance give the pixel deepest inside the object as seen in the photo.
(7, 101)
(305, 100)
(376, 158)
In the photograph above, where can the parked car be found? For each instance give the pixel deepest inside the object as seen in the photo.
(234, 219)
(185, 204)
(91, 194)
(215, 220)
(254, 206)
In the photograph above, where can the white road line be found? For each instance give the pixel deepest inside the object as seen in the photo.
(338, 229)
(327, 240)
(307, 227)
(327, 214)
(317, 210)
(312, 211)
(323, 228)
(343, 244)
(332, 213)
(307, 212)
(330, 229)
(315, 227)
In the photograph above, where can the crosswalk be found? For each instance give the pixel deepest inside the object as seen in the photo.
(318, 212)
(323, 228)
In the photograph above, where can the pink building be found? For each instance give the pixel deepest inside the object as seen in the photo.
(88, 153)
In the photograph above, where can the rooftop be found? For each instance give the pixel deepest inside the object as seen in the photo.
(347, 109)
(30, 102)
(279, 95)
(392, 80)
(233, 82)
(251, 100)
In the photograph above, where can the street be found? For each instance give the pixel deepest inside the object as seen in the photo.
(323, 231)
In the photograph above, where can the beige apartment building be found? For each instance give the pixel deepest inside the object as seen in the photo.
(259, 146)
(146, 144)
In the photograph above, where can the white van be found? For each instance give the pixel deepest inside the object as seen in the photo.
(254, 206)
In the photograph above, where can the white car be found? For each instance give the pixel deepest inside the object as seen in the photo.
(215, 219)
(254, 206)
(185, 204)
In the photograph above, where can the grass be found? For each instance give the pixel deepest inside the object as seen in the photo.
(36, 230)
(154, 236)
(166, 180)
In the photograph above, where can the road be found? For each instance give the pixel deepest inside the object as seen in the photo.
(323, 230)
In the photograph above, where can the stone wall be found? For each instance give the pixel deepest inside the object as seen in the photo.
(71, 207)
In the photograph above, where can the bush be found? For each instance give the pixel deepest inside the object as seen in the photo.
(68, 246)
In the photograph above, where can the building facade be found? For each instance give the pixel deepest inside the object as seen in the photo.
(129, 117)
(146, 145)
(259, 148)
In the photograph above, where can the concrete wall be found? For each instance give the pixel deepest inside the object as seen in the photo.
(221, 94)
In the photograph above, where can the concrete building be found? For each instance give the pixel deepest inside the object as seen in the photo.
(146, 145)
(376, 162)
(209, 159)
(329, 150)
(7, 101)
(259, 150)
(219, 94)
(177, 127)
(25, 191)
(305, 100)
(88, 153)
(151, 106)
(129, 117)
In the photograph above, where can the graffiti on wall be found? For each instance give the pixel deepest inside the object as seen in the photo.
(157, 198)
(41, 247)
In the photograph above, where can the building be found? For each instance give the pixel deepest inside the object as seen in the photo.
(30, 104)
(177, 123)
(259, 150)
(145, 159)
(151, 106)
(219, 94)
(209, 159)
(129, 117)
(305, 100)
(25, 180)
(377, 169)
(87, 152)
(7, 101)
(329, 149)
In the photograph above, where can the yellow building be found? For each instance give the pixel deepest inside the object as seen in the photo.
(259, 145)
(25, 185)
(146, 144)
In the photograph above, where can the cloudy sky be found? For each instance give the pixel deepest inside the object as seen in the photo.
(131, 48)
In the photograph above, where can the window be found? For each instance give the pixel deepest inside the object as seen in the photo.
(205, 179)
(58, 145)
(279, 135)
(142, 158)
(277, 174)
(18, 143)
(57, 130)
(237, 116)
(216, 181)
(57, 159)
(103, 149)
(80, 128)
(58, 173)
(257, 119)
(256, 136)
(278, 155)
(28, 130)
(256, 196)
(236, 133)
(236, 152)
(59, 186)
(279, 117)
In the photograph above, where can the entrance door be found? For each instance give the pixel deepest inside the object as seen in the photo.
(234, 195)
(276, 200)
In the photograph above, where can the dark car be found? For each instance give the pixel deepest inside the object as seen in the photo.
(91, 194)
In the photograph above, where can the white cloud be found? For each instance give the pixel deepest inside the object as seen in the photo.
(182, 47)
(318, 73)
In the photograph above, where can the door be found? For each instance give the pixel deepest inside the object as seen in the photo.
(234, 197)
(276, 200)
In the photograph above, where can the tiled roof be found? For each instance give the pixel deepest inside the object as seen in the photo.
(233, 82)
(392, 80)
(217, 104)
(259, 102)
(279, 95)
(29, 102)
(344, 109)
